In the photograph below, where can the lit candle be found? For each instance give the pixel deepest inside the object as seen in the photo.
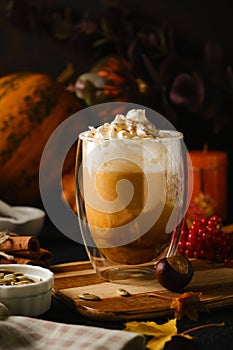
(210, 178)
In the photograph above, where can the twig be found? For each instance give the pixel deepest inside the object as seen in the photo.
(203, 326)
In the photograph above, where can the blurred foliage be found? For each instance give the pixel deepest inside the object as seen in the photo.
(193, 91)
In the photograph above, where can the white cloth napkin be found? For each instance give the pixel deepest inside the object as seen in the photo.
(26, 333)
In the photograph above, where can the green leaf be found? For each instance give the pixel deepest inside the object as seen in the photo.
(100, 42)
(89, 92)
(106, 29)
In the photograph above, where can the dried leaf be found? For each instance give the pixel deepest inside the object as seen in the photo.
(161, 334)
(188, 304)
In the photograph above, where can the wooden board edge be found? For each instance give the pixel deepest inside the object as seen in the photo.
(103, 316)
(99, 315)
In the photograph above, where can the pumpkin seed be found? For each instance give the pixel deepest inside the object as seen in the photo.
(10, 278)
(24, 278)
(90, 297)
(21, 282)
(3, 282)
(123, 292)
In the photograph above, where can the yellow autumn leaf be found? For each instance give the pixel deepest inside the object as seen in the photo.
(161, 333)
(152, 328)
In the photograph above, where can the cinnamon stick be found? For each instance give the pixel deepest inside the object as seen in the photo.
(20, 244)
(6, 261)
(21, 260)
(17, 260)
(45, 257)
(25, 253)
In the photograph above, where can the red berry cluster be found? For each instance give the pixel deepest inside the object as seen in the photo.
(206, 240)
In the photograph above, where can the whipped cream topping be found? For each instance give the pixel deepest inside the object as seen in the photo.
(133, 125)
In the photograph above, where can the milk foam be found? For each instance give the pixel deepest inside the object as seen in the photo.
(133, 125)
(131, 137)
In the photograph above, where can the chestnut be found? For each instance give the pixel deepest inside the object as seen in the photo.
(174, 273)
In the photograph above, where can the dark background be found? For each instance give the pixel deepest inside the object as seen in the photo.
(192, 21)
(28, 43)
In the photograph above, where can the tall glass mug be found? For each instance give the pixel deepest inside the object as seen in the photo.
(131, 196)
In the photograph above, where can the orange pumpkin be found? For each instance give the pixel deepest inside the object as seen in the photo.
(32, 105)
(110, 79)
(68, 194)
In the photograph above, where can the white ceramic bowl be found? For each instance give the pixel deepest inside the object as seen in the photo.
(28, 221)
(28, 299)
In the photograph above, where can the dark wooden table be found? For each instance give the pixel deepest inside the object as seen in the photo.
(66, 250)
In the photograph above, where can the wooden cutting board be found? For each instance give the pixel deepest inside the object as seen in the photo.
(72, 279)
